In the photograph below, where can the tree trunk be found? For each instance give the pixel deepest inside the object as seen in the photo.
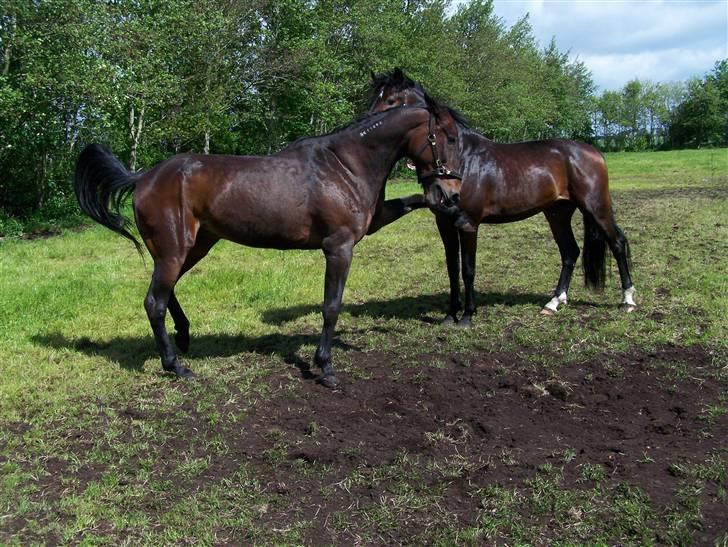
(207, 141)
(135, 133)
(6, 61)
(8, 49)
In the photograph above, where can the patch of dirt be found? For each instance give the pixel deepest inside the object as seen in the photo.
(635, 426)
(629, 415)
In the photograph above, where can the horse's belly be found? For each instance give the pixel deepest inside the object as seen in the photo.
(272, 234)
(504, 218)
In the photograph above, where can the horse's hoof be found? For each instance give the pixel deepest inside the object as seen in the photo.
(449, 320)
(180, 370)
(329, 380)
(183, 341)
(465, 323)
(628, 308)
(185, 373)
(548, 312)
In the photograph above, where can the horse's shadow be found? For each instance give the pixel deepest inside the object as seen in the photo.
(131, 352)
(427, 308)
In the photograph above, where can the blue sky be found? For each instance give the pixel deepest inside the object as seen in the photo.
(660, 40)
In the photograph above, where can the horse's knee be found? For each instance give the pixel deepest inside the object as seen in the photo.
(330, 312)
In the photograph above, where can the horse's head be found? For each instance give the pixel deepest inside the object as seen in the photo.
(436, 154)
(438, 159)
(393, 89)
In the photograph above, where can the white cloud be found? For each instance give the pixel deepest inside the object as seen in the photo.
(612, 71)
(620, 40)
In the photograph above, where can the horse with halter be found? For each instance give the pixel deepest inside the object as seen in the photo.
(324, 192)
(500, 183)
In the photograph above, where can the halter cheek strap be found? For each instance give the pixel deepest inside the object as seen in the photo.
(440, 169)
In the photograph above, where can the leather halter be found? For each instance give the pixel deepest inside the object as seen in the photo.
(440, 169)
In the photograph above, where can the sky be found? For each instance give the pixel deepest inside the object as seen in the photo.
(619, 40)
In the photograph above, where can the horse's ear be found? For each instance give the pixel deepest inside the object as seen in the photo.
(398, 74)
(372, 75)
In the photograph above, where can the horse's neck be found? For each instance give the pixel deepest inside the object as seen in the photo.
(372, 149)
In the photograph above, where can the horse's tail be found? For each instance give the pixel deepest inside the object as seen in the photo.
(593, 259)
(102, 183)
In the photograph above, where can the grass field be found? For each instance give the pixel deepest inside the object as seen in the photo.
(590, 427)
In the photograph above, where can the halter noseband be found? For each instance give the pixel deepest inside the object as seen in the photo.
(440, 169)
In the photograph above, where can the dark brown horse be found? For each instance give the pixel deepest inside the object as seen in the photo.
(318, 193)
(510, 182)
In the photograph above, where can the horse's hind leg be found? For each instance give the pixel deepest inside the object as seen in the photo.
(203, 244)
(618, 244)
(166, 272)
(559, 219)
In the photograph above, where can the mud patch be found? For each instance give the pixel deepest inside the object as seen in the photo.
(445, 430)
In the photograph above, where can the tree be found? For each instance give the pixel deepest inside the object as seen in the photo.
(702, 118)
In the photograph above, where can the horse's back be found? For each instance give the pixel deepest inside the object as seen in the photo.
(259, 201)
(505, 182)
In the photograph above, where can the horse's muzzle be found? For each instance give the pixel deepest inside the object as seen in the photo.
(441, 198)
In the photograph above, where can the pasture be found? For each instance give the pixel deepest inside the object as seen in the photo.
(593, 426)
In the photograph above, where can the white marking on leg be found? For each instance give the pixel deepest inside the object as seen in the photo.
(556, 301)
(628, 297)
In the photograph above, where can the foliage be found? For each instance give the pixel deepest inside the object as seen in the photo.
(647, 115)
(155, 78)
(151, 79)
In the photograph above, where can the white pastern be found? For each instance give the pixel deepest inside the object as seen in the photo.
(628, 298)
(556, 301)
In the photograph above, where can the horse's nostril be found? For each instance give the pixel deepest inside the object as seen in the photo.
(455, 198)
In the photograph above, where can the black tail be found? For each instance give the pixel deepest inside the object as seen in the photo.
(593, 257)
(102, 183)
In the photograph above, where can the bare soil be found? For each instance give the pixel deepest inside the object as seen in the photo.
(631, 415)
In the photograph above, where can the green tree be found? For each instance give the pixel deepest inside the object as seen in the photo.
(702, 118)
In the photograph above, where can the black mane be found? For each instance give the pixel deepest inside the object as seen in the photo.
(362, 120)
(400, 82)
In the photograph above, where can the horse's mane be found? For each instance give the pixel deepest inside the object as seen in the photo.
(362, 120)
(398, 80)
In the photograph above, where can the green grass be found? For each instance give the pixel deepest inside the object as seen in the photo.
(75, 348)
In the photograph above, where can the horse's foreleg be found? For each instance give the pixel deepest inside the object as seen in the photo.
(468, 248)
(394, 209)
(156, 302)
(451, 242)
(559, 218)
(337, 270)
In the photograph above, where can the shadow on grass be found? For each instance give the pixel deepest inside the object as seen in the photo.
(428, 308)
(131, 352)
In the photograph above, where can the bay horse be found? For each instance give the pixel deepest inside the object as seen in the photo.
(501, 183)
(323, 192)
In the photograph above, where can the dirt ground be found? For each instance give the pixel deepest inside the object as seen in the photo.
(629, 418)
(632, 417)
